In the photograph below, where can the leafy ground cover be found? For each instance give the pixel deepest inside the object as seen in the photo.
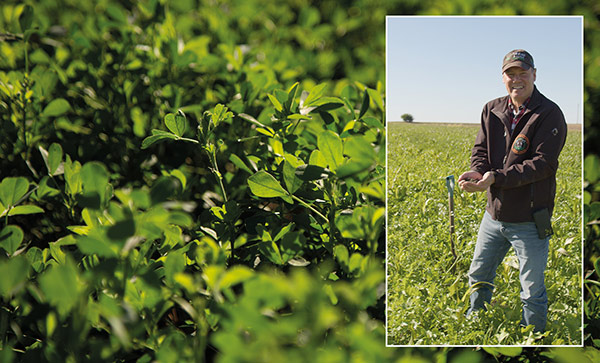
(427, 288)
(188, 248)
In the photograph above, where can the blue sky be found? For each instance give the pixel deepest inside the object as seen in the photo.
(444, 69)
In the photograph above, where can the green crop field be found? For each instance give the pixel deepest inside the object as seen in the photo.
(427, 289)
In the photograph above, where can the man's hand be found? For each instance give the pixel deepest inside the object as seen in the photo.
(472, 181)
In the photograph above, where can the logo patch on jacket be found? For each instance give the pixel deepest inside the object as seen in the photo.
(520, 145)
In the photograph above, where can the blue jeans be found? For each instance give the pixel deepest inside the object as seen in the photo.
(493, 242)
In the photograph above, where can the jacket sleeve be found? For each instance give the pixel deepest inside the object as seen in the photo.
(546, 143)
(480, 161)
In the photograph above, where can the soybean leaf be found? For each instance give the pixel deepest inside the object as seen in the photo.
(311, 172)
(357, 147)
(94, 177)
(291, 96)
(237, 161)
(176, 123)
(55, 154)
(292, 182)
(365, 104)
(174, 264)
(93, 245)
(317, 158)
(331, 146)
(61, 286)
(26, 18)
(263, 184)
(236, 275)
(275, 102)
(271, 251)
(12, 189)
(56, 107)
(315, 93)
(376, 97)
(10, 238)
(14, 272)
(25, 209)
(158, 136)
(291, 245)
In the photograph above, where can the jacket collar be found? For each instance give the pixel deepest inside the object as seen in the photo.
(502, 111)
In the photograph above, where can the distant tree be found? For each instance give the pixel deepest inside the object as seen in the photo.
(407, 117)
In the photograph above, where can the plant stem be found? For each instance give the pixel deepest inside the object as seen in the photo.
(215, 170)
(310, 207)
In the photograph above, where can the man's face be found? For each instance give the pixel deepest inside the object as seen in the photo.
(519, 82)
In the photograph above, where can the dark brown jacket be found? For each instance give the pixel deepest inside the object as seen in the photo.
(525, 160)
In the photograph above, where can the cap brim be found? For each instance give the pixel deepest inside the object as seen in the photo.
(515, 64)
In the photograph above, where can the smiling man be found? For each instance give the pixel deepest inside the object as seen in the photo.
(515, 159)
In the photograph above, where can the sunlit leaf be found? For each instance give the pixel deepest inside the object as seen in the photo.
(331, 146)
(176, 123)
(56, 107)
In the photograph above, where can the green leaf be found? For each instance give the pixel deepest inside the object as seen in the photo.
(317, 158)
(235, 275)
(292, 182)
(291, 245)
(176, 123)
(55, 154)
(275, 102)
(237, 161)
(341, 254)
(11, 238)
(56, 107)
(12, 189)
(26, 18)
(25, 209)
(95, 244)
(365, 104)
(316, 92)
(61, 286)
(156, 138)
(291, 96)
(376, 97)
(94, 177)
(263, 184)
(331, 146)
(271, 251)
(174, 264)
(591, 168)
(357, 147)
(311, 172)
(14, 272)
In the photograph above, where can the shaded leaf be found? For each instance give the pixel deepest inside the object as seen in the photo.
(26, 18)
(292, 182)
(10, 238)
(365, 104)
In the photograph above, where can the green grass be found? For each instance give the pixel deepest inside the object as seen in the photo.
(427, 295)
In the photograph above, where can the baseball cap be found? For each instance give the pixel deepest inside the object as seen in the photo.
(518, 57)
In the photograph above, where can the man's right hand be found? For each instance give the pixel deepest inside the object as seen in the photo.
(468, 180)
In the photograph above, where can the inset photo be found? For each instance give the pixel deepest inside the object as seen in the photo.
(484, 180)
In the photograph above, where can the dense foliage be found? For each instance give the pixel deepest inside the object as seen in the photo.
(248, 227)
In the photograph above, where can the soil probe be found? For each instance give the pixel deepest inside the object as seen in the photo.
(450, 186)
